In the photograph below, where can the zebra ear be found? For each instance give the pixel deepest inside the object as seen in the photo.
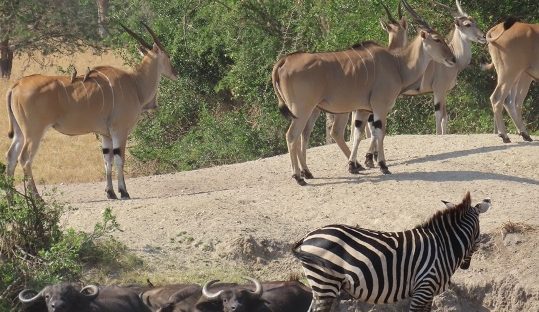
(448, 204)
(483, 206)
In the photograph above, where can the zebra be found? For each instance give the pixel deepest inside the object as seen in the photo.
(386, 267)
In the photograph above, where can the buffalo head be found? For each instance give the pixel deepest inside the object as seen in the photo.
(60, 297)
(232, 299)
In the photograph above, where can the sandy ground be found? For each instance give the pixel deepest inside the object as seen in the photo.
(243, 218)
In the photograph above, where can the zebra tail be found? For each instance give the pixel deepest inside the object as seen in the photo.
(306, 257)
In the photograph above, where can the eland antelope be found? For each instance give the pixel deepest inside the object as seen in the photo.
(397, 32)
(439, 79)
(514, 49)
(108, 103)
(367, 77)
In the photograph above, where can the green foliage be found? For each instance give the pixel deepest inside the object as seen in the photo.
(35, 250)
(48, 26)
(223, 109)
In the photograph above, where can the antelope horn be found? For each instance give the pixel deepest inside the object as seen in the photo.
(389, 16)
(400, 10)
(137, 37)
(461, 11)
(416, 16)
(23, 299)
(94, 291)
(209, 294)
(154, 35)
(453, 12)
(258, 286)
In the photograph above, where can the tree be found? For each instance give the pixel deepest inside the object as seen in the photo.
(48, 26)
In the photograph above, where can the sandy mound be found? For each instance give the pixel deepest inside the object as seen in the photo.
(244, 217)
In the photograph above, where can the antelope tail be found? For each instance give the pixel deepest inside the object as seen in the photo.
(508, 23)
(283, 108)
(11, 118)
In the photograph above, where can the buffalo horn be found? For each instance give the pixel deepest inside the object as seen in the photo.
(258, 286)
(209, 294)
(94, 291)
(23, 299)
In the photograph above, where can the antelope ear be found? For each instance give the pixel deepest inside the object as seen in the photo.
(448, 204)
(424, 34)
(384, 25)
(483, 206)
(156, 48)
(404, 23)
(142, 50)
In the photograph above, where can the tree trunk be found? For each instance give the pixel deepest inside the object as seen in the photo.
(102, 12)
(6, 59)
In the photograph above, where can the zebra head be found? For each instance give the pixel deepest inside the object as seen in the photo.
(476, 210)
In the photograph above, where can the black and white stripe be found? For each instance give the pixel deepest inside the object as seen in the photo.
(386, 267)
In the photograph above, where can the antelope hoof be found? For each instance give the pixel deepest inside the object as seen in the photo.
(111, 194)
(124, 194)
(355, 167)
(505, 138)
(369, 160)
(526, 137)
(306, 174)
(299, 179)
(383, 167)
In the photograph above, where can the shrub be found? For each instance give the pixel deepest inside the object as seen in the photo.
(35, 250)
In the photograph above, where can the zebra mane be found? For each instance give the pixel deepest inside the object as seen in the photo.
(458, 210)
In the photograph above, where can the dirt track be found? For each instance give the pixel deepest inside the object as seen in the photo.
(242, 218)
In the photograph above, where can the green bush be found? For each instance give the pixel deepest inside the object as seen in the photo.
(35, 250)
(223, 109)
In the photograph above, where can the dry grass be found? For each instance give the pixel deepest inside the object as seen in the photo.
(510, 227)
(61, 158)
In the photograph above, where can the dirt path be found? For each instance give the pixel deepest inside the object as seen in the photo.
(241, 219)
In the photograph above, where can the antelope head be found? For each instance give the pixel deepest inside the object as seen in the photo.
(156, 51)
(433, 43)
(396, 29)
(465, 24)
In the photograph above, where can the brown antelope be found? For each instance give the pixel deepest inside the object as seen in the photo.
(440, 79)
(367, 77)
(515, 101)
(514, 49)
(396, 31)
(109, 103)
